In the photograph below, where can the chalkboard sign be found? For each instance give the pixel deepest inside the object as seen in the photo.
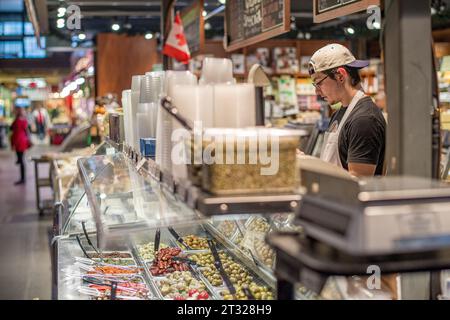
(194, 31)
(252, 21)
(325, 10)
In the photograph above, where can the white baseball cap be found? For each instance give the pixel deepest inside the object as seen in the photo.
(333, 56)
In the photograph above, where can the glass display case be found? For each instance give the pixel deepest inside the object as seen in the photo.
(124, 235)
(69, 193)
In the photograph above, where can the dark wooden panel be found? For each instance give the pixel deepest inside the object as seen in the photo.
(119, 57)
(442, 49)
(441, 35)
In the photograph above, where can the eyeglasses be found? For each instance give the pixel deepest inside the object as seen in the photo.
(318, 84)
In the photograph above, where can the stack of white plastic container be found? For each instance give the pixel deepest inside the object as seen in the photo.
(216, 101)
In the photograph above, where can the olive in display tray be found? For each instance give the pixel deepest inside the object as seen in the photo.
(182, 286)
(147, 251)
(239, 276)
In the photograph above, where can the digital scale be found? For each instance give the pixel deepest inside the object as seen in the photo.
(377, 215)
(399, 224)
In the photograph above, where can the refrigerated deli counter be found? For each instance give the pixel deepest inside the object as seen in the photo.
(123, 230)
(121, 234)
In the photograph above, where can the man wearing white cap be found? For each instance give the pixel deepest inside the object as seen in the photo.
(355, 139)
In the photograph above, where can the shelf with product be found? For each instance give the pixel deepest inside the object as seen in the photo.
(442, 51)
(286, 63)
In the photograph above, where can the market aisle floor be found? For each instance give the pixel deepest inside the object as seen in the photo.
(25, 269)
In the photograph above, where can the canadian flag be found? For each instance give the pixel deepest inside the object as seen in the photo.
(176, 45)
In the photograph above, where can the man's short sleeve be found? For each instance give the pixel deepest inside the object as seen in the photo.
(365, 140)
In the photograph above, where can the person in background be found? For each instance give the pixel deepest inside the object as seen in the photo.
(41, 120)
(20, 140)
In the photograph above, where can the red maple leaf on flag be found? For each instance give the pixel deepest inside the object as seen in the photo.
(176, 44)
(181, 39)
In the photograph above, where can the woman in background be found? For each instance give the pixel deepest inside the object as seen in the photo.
(20, 141)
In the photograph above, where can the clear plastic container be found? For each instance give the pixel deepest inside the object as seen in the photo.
(246, 161)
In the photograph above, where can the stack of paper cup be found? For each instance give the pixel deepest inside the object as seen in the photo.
(143, 115)
(126, 105)
(216, 70)
(157, 84)
(174, 78)
(234, 105)
(135, 93)
(151, 87)
(165, 123)
(195, 103)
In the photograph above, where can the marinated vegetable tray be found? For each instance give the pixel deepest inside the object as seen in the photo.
(253, 240)
(147, 250)
(191, 238)
(109, 272)
(182, 285)
(240, 277)
(132, 288)
(165, 262)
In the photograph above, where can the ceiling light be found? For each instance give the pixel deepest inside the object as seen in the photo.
(204, 13)
(350, 30)
(307, 35)
(82, 36)
(115, 27)
(148, 35)
(208, 26)
(222, 1)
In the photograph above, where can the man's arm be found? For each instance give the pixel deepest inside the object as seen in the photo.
(366, 137)
(361, 169)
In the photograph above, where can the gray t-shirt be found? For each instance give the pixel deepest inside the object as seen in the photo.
(363, 137)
